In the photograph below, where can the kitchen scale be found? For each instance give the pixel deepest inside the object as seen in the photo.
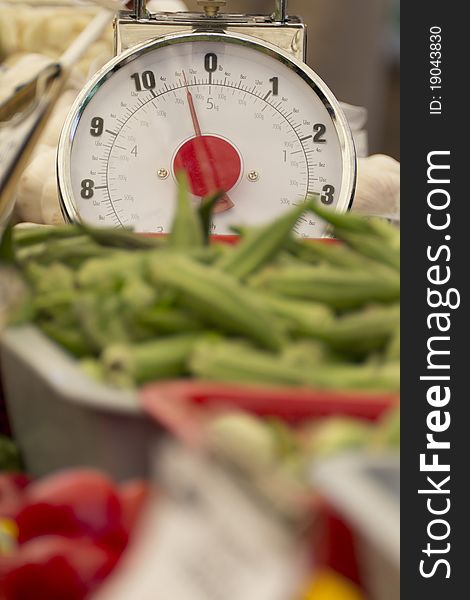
(226, 98)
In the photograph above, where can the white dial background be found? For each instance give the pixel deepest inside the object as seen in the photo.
(125, 140)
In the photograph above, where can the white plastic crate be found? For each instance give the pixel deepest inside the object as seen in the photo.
(62, 418)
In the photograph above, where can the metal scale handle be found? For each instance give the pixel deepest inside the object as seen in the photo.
(212, 9)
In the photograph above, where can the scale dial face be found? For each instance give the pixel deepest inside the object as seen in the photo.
(233, 113)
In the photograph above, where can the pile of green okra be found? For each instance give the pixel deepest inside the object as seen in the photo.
(272, 309)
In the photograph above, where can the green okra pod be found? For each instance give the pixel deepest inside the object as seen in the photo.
(168, 320)
(366, 377)
(373, 238)
(53, 287)
(46, 279)
(121, 238)
(365, 331)
(218, 299)
(372, 247)
(339, 288)
(205, 211)
(308, 353)
(236, 362)
(111, 272)
(353, 223)
(148, 361)
(261, 245)
(48, 304)
(303, 318)
(186, 231)
(207, 255)
(72, 251)
(101, 319)
(389, 233)
(69, 337)
(328, 252)
(30, 236)
(137, 295)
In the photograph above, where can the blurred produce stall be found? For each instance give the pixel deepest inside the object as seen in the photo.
(188, 415)
(188, 307)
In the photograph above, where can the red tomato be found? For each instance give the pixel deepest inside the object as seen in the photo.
(55, 568)
(73, 503)
(134, 496)
(11, 496)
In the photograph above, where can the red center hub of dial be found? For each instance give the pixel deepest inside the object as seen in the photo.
(211, 163)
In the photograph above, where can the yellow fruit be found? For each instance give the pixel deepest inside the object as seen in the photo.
(8, 536)
(329, 585)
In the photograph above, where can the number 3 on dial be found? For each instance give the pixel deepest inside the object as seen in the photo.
(328, 194)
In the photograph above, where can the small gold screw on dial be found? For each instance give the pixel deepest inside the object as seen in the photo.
(162, 173)
(253, 176)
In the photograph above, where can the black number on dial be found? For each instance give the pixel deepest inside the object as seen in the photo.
(87, 189)
(320, 130)
(146, 81)
(328, 194)
(97, 125)
(210, 62)
(275, 82)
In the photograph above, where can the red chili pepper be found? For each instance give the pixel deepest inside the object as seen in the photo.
(73, 503)
(55, 568)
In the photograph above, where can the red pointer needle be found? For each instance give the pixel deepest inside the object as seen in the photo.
(224, 203)
(192, 109)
